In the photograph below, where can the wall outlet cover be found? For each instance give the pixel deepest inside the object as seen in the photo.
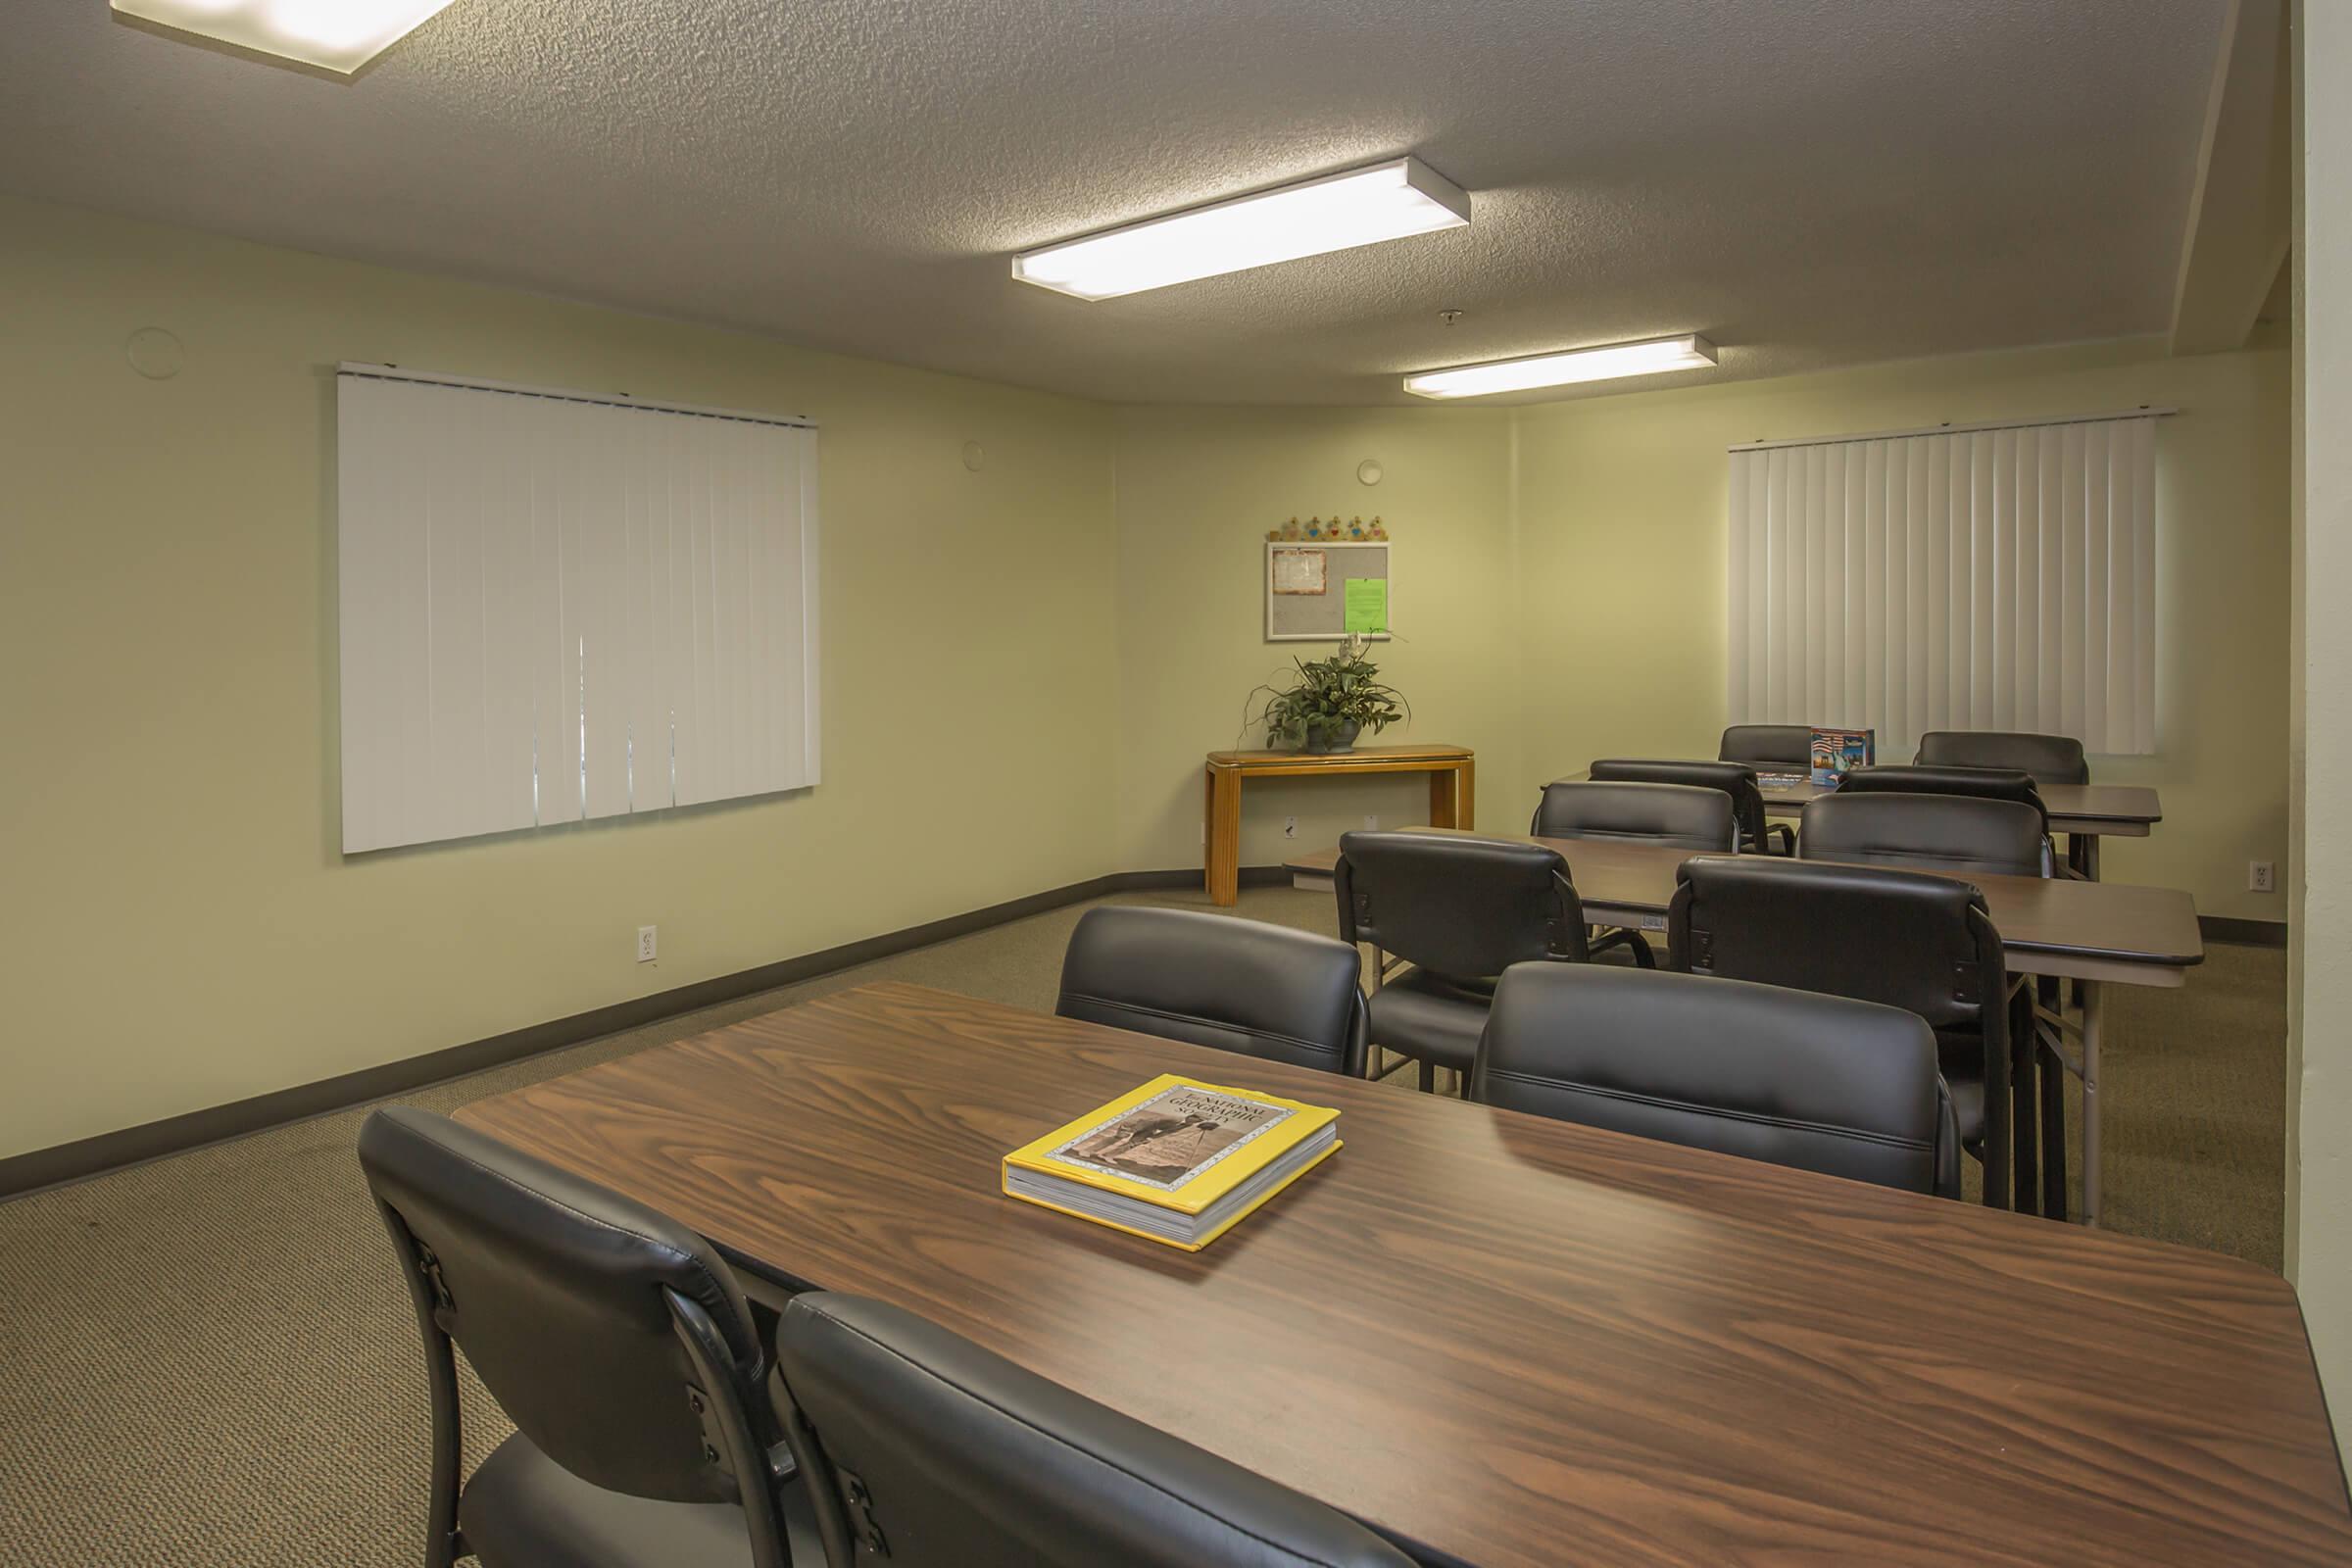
(2261, 877)
(646, 944)
(1372, 823)
(1290, 827)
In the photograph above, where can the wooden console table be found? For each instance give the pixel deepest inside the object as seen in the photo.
(1452, 792)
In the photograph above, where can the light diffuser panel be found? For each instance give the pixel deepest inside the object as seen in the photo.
(1651, 357)
(338, 36)
(1335, 212)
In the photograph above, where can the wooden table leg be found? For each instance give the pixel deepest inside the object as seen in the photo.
(1452, 796)
(1442, 789)
(1223, 822)
(1465, 795)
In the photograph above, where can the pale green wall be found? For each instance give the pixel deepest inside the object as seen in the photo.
(1562, 586)
(1622, 507)
(180, 929)
(1024, 666)
(1198, 490)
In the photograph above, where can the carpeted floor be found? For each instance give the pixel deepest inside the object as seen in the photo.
(209, 1360)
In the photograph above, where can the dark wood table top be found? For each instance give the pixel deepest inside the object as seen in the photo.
(1365, 757)
(2130, 805)
(2119, 921)
(1508, 1340)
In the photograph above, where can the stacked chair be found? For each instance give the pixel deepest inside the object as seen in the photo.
(1459, 910)
(1215, 980)
(1872, 933)
(1817, 1082)
(1684, 816)
(1735, 779)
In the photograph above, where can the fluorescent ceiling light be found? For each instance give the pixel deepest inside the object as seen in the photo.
(1336, 212)
(1604, 363)
(338, 36)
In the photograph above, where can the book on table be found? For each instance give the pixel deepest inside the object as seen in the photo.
(1174, 1160)
(1838, 752)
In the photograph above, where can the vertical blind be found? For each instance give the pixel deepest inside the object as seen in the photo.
(556, 607)
(1980, 578)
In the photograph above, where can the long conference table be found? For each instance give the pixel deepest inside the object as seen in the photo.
(1501, 1340)
(2091, 932)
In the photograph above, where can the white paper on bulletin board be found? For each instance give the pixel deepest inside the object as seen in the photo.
(1294, 615)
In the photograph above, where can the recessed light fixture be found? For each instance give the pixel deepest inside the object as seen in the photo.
(1652, 357)
(338, 36)
(1335, 212)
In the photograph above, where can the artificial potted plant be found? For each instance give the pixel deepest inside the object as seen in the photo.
(1331, 701)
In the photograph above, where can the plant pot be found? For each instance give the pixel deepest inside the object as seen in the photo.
(1338, 738)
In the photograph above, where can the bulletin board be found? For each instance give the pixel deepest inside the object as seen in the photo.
(1306, 598)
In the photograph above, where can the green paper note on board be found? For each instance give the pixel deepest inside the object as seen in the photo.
(1367, 604)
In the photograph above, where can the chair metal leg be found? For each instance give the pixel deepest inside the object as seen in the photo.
(1999, 1138)
(2024, 1122)
(1429, 1079)
(2053, 1077)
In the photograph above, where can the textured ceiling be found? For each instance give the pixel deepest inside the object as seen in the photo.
(1808, 183)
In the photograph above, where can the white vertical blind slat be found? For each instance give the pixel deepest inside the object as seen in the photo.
(1983, 545)
(1870, 587)
(2096, 493)
(1995, 578)
(1737, 673)
(2143, 596)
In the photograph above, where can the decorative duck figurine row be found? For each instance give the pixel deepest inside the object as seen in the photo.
(1354, 532)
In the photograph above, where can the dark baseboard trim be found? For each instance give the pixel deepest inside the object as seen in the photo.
(176, 1135)
(2242, 933)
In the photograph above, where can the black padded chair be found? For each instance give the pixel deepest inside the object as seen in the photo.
(1983, 836)
(924, 1451)
(613, 1336)
(1460, 911)
(1821, 1082)
(2051, 758)
(1684, 816)
(1981, 783)
(1903, 939)
(1929, 832)
(1215, 980)
(1735, 780)
(1778, 747)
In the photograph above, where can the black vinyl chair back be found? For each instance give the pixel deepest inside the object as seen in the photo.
(1784, 746)
(924, 1451)
(1930, 832)
(1919, 779)
(1817, 1082)
(1735, 780)
(2051, 758)
(1684, 816)
(1903, 939)
(1463, 907)
(1216, 980)
(613, 1337)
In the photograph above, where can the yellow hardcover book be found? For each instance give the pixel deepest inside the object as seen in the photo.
(1174, 1160)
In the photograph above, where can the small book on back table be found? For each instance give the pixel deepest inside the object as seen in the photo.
(1175, 1160)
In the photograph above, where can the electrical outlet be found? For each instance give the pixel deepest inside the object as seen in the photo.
(1290, 827)
(1372, 823)
(2260, 877)
(645, 944)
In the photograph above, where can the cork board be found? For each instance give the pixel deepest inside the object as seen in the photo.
(1292, 616)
